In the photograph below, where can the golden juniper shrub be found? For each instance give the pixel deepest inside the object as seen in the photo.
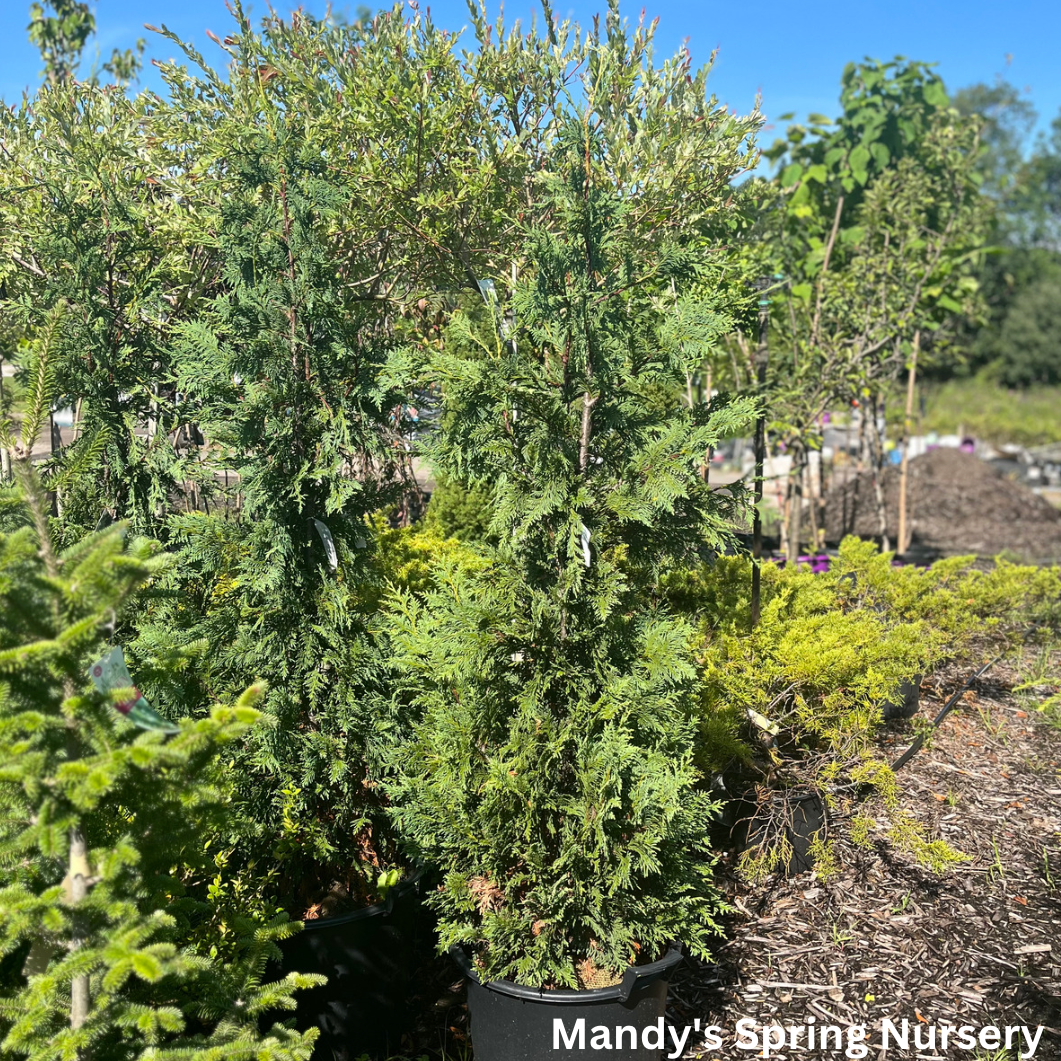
(796, 700)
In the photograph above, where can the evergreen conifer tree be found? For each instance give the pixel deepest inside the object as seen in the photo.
(552, 777)
(283, 367)
(94, 816)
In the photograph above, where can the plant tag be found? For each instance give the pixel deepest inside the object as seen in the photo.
(111, 673)
(586, 558)
(763, 722)
(488, 292)
(329, 543)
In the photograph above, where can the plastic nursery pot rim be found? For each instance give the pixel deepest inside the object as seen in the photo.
(399, 891)
(632, 978)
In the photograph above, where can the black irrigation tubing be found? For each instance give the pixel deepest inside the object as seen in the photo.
(919, 742)
(946, 709)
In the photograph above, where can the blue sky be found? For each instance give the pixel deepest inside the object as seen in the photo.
(792, 53)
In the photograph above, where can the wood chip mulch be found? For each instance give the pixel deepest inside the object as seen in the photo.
(884, 938)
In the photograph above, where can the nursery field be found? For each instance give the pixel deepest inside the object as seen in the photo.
(384, 670)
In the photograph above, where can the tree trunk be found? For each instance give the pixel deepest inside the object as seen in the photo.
(860, 461)
(877, 456)
(795, 503)
(79, 1000)
(706, 473)
(814, 500)
(761, 360)
(904, 537)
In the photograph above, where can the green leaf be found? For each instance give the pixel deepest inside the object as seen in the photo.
(858, 160)
(936, 95)
(880, 154)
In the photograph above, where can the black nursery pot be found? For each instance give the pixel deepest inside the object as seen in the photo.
(366, 956)
(514, 1023)
(805, 820)
(808, 819)
(909, 702)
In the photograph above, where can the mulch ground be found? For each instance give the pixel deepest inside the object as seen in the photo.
(958, 504)
(883, 937)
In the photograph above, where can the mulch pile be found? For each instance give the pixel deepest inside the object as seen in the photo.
(958, 504)
(884, 938)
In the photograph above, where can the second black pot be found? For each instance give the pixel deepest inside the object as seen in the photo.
(799, 816)
(514, 1023)
(908, 702)
(366, 956)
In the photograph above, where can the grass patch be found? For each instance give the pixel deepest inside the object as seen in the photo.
(984, 409)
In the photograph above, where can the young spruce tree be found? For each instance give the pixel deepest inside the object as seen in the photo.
(552, 777)
(94, 815)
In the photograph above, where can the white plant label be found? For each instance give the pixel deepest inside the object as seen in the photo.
(329, 543)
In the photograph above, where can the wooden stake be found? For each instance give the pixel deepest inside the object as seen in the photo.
(761, 361)
(903, 544)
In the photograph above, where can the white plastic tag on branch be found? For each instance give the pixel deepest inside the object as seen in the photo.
(763, 722)
(329, 543)
(586, 558)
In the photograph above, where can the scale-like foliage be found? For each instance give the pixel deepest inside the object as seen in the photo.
(552, 776)
(93, 229)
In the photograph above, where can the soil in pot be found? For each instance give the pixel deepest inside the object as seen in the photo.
(367, 956)
(514, 1023)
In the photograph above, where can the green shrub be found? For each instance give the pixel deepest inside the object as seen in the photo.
(311, 823)
(461, 512)
(794, 702)
(94, 815)
(551, 777)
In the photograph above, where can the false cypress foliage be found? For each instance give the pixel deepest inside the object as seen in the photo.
(552, 776)
(94, 813)
(283, 366)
